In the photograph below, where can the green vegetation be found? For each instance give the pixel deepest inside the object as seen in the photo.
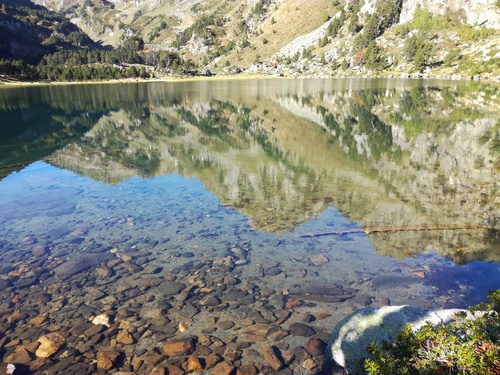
(37, 32)
(415, 116)
(355, 42)
(127, 61)
(385, 15)
(202, 28)
(259, 8)
(425, 22)
(373, 57)
(424, 27)
(418, 49)
(336, 24)
(465, 347)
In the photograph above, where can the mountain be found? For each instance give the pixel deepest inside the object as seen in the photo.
(313, 38)
(30, 31)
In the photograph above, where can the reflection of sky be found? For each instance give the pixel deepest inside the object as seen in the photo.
(170, 206)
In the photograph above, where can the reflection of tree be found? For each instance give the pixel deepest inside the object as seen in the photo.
(29, 134)
(383, 158)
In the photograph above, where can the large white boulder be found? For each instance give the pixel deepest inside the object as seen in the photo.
(351, 337)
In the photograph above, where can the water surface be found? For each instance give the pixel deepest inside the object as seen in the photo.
(315, 196)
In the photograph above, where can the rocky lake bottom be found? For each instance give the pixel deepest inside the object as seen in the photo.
(156, 276)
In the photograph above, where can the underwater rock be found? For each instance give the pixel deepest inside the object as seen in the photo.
(169, 288)
(81, 263)
(384, 282)
(49, 344)
(300, 329)
(59, 202)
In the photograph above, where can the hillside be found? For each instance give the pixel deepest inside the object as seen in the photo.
(30, 31)
(297, 38)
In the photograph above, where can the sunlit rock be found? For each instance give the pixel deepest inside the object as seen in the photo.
(351, 337)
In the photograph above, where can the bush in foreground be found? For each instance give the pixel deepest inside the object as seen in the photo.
(464, 347)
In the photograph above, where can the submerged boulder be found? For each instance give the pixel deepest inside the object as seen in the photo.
(351, 337)
(80, 263)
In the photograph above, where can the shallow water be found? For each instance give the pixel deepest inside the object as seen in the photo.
(259, 194)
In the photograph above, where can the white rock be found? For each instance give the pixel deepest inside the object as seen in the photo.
(352, 335)
(10, 369)
(101, 319)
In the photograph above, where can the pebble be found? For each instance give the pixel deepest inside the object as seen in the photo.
(102, 319)
(279, 335)
(93, 295)
(309, 364)
(106, 359)
(179, 347)
(247, 370)
(20, 355)
(16, 317)
(223, 368)
(300, 329)
(232, 354)
(225, 325)
(174, 370)
(384, 301)
(271, 357)
(49, 344)
(80, 263)
(315, 347)
(169, 288)
(318, 259)
(183, 327)
(124, 338)
(211, 360)
(210, 301)
(157, 370)
(194, 364)
(362, 300)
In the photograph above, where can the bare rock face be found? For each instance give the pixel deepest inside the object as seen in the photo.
(474, 12)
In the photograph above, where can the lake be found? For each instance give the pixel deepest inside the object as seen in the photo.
(222, 216)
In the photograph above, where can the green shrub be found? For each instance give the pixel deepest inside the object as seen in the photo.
(452, 56)
(374, 58)
(336, 24)
(469, 33)
(466, 347)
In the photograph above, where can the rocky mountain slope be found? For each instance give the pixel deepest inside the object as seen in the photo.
(292, 37)
(29, 32)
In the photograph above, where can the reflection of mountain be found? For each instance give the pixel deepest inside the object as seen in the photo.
(282, 158)
(29, 134)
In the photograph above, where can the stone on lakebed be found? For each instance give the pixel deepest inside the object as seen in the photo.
(351, 337)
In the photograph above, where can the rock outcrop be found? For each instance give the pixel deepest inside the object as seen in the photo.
(351, 337)
(475, 13)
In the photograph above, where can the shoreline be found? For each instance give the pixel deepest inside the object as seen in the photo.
(241, 76)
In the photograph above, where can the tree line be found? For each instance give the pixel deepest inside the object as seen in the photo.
(127, 61)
